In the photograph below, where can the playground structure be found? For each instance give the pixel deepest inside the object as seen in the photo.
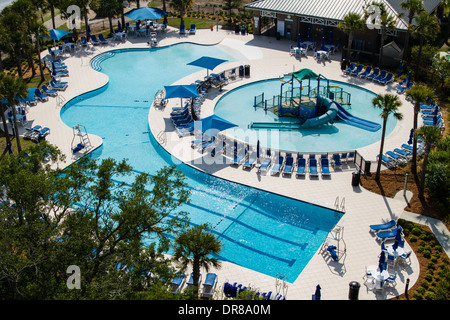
(311, 105)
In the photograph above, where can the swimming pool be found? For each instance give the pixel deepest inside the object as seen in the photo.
(261, 231)
(236, 106)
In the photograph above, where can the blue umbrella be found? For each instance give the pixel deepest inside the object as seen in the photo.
(299, 40)
(207, 62)
(322, 45)
(400, 69)
(181, 91)
(381, 262)
(257, 149)
(145, 13)
(411, 136)
(308, 34)
(57, 34)
(211, 125)
(409, 78)
(317, 293)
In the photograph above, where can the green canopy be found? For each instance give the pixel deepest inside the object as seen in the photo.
(305, 74)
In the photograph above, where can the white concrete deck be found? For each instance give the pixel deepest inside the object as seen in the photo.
(268, 58)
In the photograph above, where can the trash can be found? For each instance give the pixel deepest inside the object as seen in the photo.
(243, 30)
(236, 28)
(247, 70)
(241, 71)
(355, 178)
(353, 290)
(367, 167)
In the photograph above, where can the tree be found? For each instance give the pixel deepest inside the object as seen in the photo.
(82, 216)
(232, 4)
(387, 22)
(352, 23)
(431, 135)
(182, 5)
(13, 89)
(389, 104)
(109, 8)
(418, 94)
(427, 28)
(197, 246)
(413, 7)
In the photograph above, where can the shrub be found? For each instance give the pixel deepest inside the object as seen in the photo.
(413, 239)
(416, 231)
(429, 277)
(426, 254)
(431, 265)
(430, 295)
(425, 284)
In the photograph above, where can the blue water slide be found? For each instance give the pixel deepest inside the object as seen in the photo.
(350, 119)
(325, 118)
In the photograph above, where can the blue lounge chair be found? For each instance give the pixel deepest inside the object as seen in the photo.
(388, 79)
(350, 68)
(48, 91)
(366, 72)
(223, 79)
(41, 134)
(182, 29)
(177, 283)
(266, 162)
(357, 70)
(192, 30)
(401, 90)
(250, 161)
(83, 41)
(190, 282)
(203, 146)
(313, 167)
(388, 162)
(219, 148)
(382, 75)
(57, 86)
(337, 160)
(209, 285)
(301, 167)
(388, 234)
(374, 74)
(402, 153)
(40, 95)
(94, 40)
(62, 73)
(407, 147)
(102, 39)
(32, 131)
(278, 164)
(79, 147)
(184, 130)
(394, 156)
(289, 165)
(239, 156)
(324, 167)
(383, 226)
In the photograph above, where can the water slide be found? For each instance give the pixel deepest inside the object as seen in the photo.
(350, 119)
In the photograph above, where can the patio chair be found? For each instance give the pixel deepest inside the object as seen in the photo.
(209, 285)
(278, 164)
(192, 30)
(301, 167)
(313, 168)
(357, 70)
(366, 72)
(94, 40)
(374, 74)
(102, 39)
(324, 167)
(383, 227)
(350, 68)
(182, 29)
(177, 283)
(289, 165)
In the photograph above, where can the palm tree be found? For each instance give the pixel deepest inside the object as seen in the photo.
(427, 27)
(353, 22)
(389, 104)
(182, 5)
(413, 7)
(13, 89)
(431, 135)
(195, 246)
(418, 94)
(387, 23)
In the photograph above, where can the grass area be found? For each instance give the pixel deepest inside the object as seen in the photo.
(199, 23)
(24, 143)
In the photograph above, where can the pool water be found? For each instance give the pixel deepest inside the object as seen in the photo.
(261, 231)
(236, 106)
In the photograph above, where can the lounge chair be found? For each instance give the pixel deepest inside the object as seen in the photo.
(266, 163)
(223, 79)
(182, 29)
(192, 30)
(394, 156)
(41, 134)
(391, 280)
(324, 167)
(289, 165)
(221, 147)
(388, 234)
(57, 86)
(40, 95)
(366, 72)
(102, 39)
(350, 68)
(83, 41)
(203, 146)
(250, 161)
(276, 168)
(388, 79)
(336, 160)
(401, 90)
(382, 75)
(62, 73)
(301, 167)
(239, 155)
(313, 168)
(388, 162)
(383, 226)
(177, 283)
(403, 153)
(357, 70)
(48, 91)
(78, 148)
(374, 74)
(209, 285)
(30, 132)
(406, 256)
(190, 282)
(94, 40)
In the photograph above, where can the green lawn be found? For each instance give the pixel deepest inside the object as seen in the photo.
(24, 144)
(199, 23)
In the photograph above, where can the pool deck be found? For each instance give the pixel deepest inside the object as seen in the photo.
(268, 58)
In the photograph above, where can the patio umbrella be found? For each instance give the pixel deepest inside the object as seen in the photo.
(322, 45)
(409, 78)
(57, 34)
(257, 149)
(119, 26)
(382, 261)
(317, 293)
(299, 40)
(207, 62)
(211, 125)
(181, 91)
(400, 69)
(145, 13)
(411, 136)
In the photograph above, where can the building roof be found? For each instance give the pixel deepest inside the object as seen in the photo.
(334, 9)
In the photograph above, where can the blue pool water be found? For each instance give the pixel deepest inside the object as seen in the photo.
(261, 231)
(324, 138)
